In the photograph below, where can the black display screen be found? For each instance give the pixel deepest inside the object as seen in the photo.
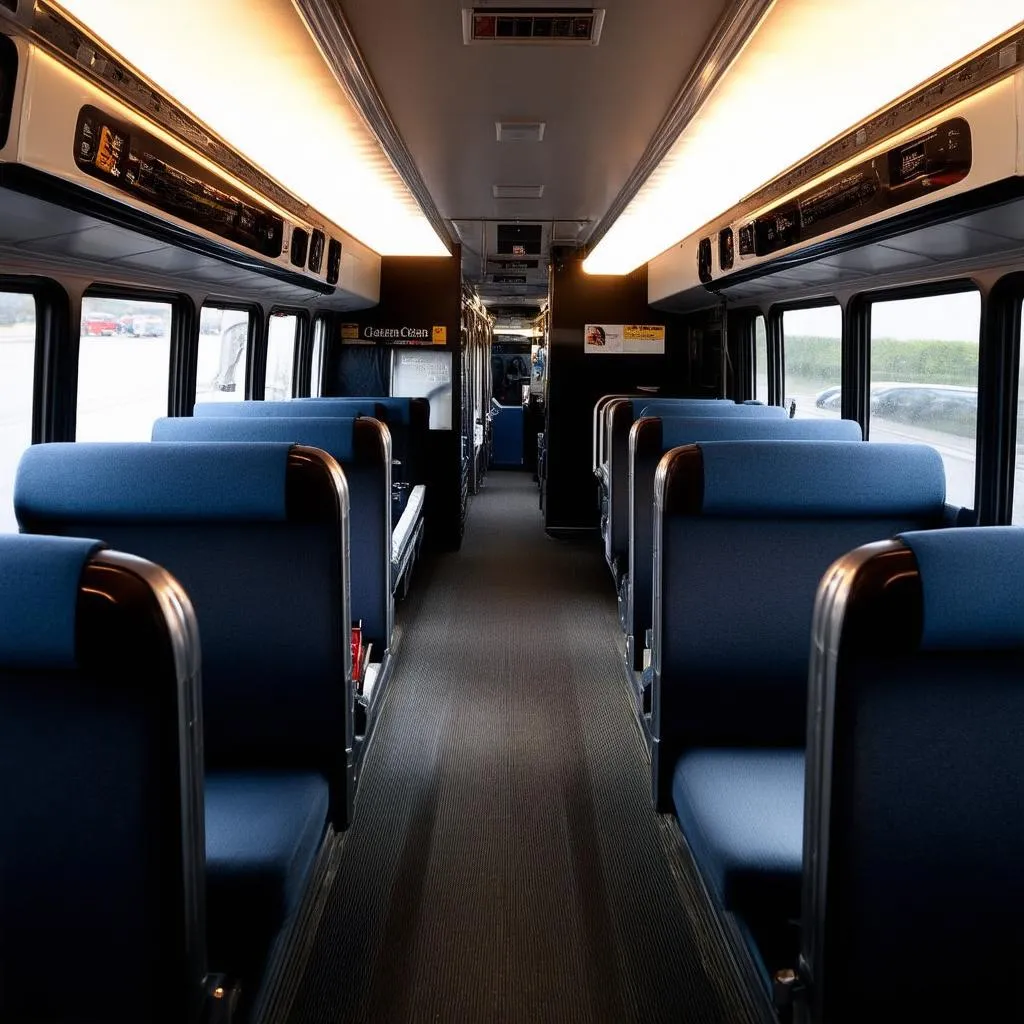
(8, 79)
(299, 247)
(316, 251)
(333, 261)
(140, 165)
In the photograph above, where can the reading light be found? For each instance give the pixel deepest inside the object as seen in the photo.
(809, 72)
(251, 71)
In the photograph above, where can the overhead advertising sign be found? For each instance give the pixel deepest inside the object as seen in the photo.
(354, 334)
(624, 339)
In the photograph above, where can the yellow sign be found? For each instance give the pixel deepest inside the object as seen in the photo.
(440, 335)
(638, 332)
(350, 332)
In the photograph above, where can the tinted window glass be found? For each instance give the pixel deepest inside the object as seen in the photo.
(17, 374)
(123, 368)
(223, 355)
(924, 380)
(281, 333)
(813, 353)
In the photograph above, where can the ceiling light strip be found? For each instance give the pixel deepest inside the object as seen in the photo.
(82, 51)
(729, 37)
(329, 29)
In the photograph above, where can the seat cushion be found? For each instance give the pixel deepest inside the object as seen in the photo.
(741, 812)
(263, 832)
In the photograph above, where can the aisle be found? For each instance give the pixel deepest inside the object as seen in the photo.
(504, 863)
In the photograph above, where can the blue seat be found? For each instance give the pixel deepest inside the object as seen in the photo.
(407, 419)
(101, 894)
(650, 438)
(915, 791)
(257, 533)
(263, 834)
(743, 532)
(742, 812)
(621, 415)
(363, 449)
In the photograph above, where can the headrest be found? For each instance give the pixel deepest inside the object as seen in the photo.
(763, 479)
(712, 408)
(39, 583)
(394, 410)
(679, 430)
(680, 406)
(334, 435)
(84, 483)
(972, 580)
(290, 409)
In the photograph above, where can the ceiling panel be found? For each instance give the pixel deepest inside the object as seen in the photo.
(601, 104)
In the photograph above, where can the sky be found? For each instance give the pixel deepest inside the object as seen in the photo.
(938, 317)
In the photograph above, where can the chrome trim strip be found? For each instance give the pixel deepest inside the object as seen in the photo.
(727, 39)
(657, 572)
(183, 634)
(830, 607)
(326, 23)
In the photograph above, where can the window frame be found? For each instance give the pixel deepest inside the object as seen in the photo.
(776, 343)
(253, 332)
(302, 329)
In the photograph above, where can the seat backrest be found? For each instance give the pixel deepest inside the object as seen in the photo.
(102, 896)
(743, 532)
(362, 448)
(597, 441)
(620, 416)
(258, 535)
(408, 420)
(649, 439)
(914, 788)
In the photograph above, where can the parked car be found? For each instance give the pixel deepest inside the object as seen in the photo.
(95, 324)
(830, 398)
(148, 326)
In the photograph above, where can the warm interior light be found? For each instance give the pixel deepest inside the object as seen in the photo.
(250, 70)
(811, 71)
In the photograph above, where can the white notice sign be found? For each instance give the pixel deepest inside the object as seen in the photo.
(624, 339)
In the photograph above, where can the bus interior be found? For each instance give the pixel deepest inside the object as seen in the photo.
(508, 511)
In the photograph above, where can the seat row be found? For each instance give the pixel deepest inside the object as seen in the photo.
(835, 705)
(185, 715)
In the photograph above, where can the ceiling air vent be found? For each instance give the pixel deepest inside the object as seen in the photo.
(569, 25)
(517, 191)
(520, 131)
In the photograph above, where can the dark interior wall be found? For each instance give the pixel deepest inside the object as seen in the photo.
(577, 380)
(422, 292)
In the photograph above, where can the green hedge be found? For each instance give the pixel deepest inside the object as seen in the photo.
(910, 362)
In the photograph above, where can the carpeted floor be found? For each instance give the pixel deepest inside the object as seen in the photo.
(504, 863)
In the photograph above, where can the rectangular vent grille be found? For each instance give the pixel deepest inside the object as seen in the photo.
(517, 191)
(520, 131)
(569, 26)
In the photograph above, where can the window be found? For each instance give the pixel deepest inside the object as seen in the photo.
(223, 355)
(760, 361)
(316, 373)
(1018, 462)
(924, 380)
(813, 351)
(124, 357)
(17, 378)
(281, 334)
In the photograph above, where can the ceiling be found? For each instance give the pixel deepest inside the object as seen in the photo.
(601, 104)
